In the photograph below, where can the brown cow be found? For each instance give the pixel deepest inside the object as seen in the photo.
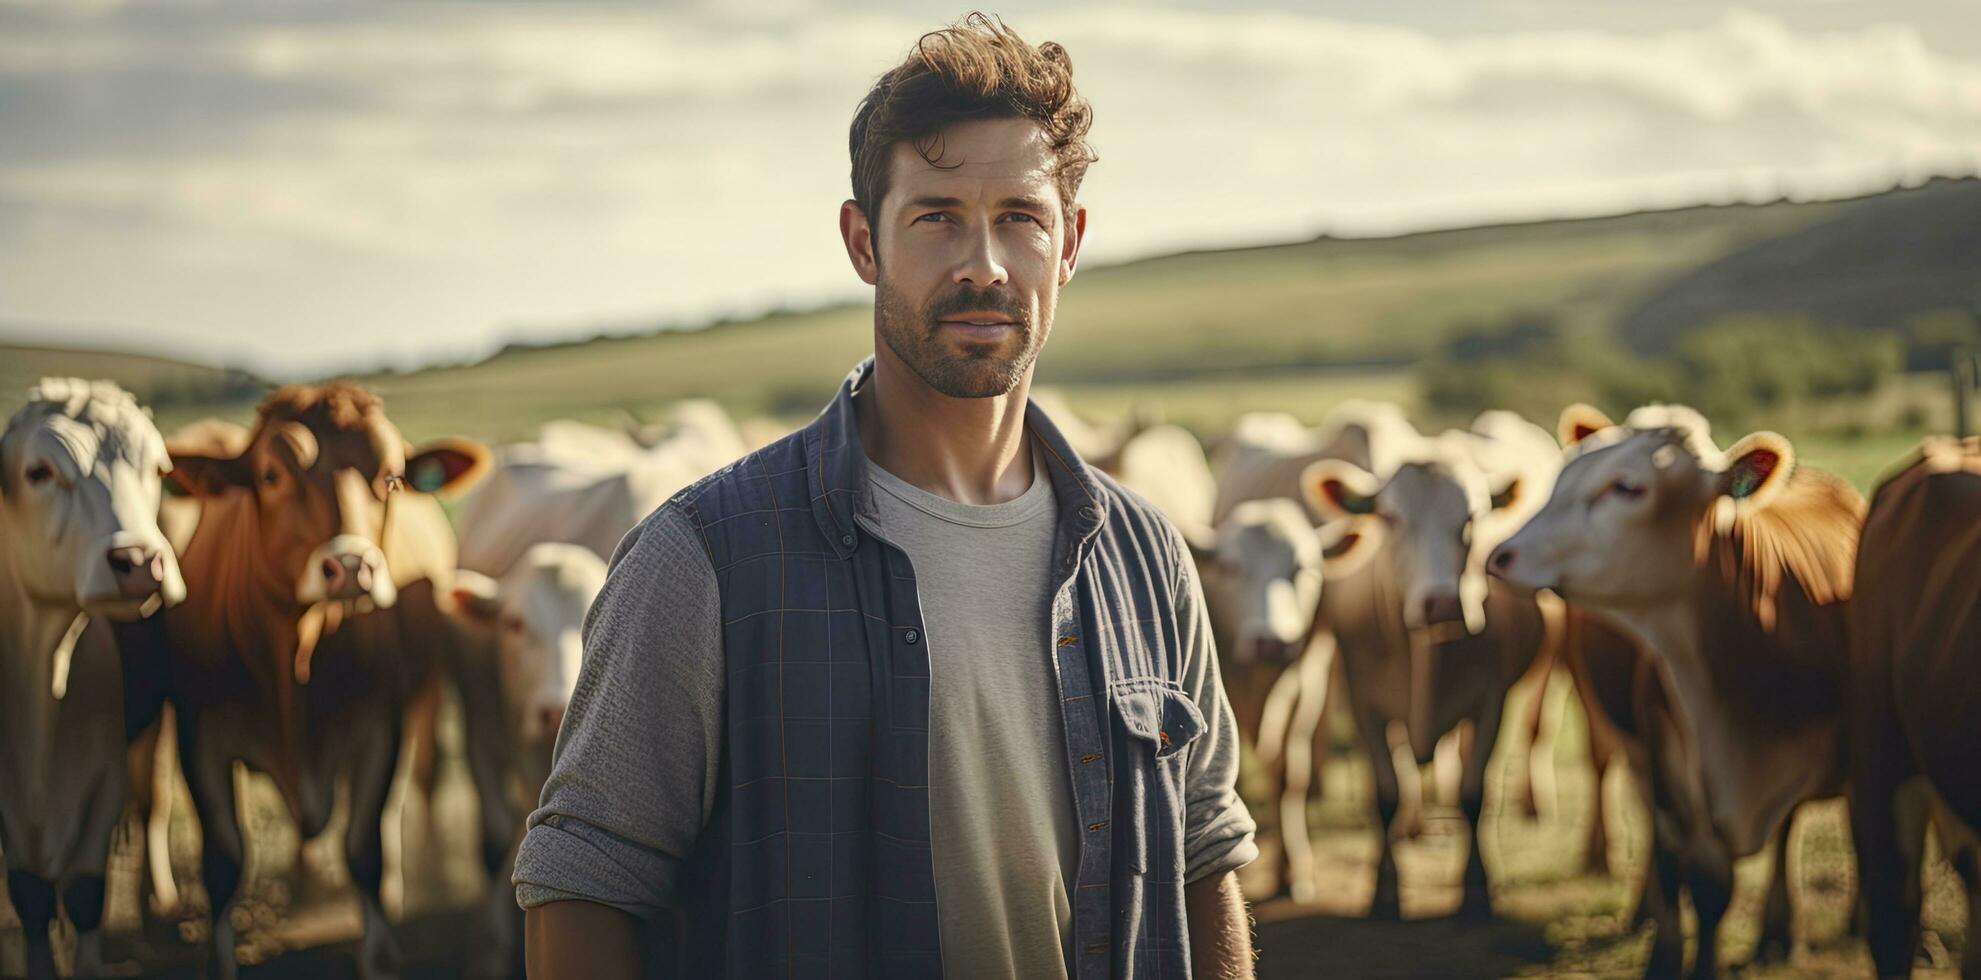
(313, 624)
(1733, 570)
(1915, 694)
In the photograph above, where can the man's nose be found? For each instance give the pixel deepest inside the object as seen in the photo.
(983, 267)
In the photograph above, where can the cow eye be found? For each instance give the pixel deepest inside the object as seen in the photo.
(268, 477)
(514, 626)
(40, 473)
(1623, 489)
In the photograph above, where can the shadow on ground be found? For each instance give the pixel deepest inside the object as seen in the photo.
(1307, 944)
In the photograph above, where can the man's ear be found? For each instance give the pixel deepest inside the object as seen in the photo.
(450, 464)
(195, 475)
(857, 231)
(1757, 468)
(1069, 249)
(1579, 422)
(1337, 489)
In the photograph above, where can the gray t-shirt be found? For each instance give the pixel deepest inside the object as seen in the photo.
(1001, 819)
(634, 777)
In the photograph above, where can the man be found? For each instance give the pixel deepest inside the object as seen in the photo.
(911, 692)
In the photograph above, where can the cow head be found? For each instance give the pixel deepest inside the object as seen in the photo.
(321, 468)
(1427, 513)
(80, 472)
(1262, 575)
(536, 612)
(1620, 529)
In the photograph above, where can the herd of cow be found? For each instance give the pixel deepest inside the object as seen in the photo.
(1747, 633)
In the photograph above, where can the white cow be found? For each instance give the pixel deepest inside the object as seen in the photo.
(583, 485)
(531, 619)
(524, 650)
(1268, 451)
(81, 467)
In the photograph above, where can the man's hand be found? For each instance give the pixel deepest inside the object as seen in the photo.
(581, 939)
(1220, 929)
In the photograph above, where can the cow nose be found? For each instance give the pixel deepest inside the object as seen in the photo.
(1501, 562)
(1269, 650)
(346, 576)
(1442, 609)
(138, 570)
(549, 718)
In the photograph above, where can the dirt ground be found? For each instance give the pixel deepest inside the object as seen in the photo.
(298, 915)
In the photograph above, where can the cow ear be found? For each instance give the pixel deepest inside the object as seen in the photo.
(194, 475)
(1757, 468)
(473, 595)
(1579, 422)
(1337, 489)
(1347, 545)
(450, 464)
(1508, 495)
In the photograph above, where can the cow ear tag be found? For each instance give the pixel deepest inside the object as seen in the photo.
(428, 475)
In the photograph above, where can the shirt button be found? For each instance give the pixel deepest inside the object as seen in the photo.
(912, 636)
(846, 539)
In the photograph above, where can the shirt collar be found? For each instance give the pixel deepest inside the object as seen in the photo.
(836, 469)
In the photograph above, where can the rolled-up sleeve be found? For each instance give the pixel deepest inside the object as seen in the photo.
(633, 776)
(1217, 827)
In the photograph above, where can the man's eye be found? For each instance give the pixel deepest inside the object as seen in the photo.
(1020, 216)
(933, 217)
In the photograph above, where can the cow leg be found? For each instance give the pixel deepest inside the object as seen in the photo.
(1967, 861)
(1387, 904)
(1269, 748)
(1664, 879)
(1300, 765)
(1777, 919)
(1475, 750)
(1888, 852)
(1596, 855)
(83, 901)
(488, 748)
(1530, 721)
(154, 764)
(1709, 877)
(210, 777)
(364, 845)
(34, 904)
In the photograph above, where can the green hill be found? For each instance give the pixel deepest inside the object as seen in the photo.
(1880, 263)
(163, 383)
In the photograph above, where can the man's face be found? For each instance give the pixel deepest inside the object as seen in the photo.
(967, 256)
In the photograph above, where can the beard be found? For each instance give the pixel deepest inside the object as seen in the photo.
(959, 369)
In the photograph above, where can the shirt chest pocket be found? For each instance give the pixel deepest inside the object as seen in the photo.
(1155, 723)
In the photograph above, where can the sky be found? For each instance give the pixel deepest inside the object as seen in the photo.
(301, 188)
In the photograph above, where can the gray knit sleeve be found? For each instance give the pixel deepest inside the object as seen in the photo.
(633, 776)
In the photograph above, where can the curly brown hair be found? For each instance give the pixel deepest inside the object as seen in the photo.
(977, 69)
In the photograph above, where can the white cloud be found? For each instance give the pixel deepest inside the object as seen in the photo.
(296, 187)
